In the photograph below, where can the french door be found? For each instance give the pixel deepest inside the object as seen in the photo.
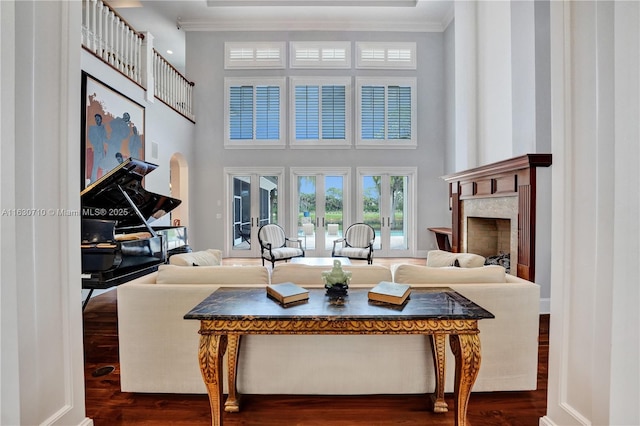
(253, 197)
(319, 206)
(386, 201)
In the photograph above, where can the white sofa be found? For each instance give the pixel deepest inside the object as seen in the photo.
(158, 349)
(509, 341)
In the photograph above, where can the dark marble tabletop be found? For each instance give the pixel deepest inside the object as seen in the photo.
(233, 303)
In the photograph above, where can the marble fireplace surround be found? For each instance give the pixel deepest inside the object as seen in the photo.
(501, 190)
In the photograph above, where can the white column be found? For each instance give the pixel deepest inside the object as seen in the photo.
(625, 354)
(594, 342)
(465, 85)
(42, 366)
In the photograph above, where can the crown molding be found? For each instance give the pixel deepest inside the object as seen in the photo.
(289, 25)
(448, 17)
(291, 3)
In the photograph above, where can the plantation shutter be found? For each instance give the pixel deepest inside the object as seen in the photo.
(267, 112)
(307, 112)
(333, 112)
(399, 112)
(241, 112)
(373, 112)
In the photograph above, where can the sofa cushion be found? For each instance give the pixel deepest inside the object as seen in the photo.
(221, 275)
(438, 258)
(416, 274)
(312, 274)
(210, 257)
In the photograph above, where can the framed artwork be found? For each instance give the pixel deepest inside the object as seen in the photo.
(112, 129)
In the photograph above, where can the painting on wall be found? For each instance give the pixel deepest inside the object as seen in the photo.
(112, 129)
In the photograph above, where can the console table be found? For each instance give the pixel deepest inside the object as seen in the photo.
(229, 313)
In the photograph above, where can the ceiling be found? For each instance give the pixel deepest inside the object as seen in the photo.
(168, 21)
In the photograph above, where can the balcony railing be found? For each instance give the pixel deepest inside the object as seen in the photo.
(171, 87)
(114, 41)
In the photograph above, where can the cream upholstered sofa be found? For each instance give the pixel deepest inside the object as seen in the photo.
(209, 257)
(510, 340)
(158, 349)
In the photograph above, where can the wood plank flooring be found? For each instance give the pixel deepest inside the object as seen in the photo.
(107, 406)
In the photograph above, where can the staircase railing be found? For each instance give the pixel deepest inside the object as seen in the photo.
(109, 37)
(171, 87)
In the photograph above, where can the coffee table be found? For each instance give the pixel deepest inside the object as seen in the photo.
(229, 313)
(320, 261)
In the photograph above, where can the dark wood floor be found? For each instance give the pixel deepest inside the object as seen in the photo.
(107, 406)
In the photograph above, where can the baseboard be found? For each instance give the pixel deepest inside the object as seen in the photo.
(546, 421)
(545, 306)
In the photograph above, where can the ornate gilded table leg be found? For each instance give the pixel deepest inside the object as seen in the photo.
(232, 405)
(466, 348)
(438, 345)
(212, 348)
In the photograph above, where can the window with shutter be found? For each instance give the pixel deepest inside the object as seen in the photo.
(254, 112)
(376, 55)
(254, 55)
(386, 111)
(320, 54)
(320, 112)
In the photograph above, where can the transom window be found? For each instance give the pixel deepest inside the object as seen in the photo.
(254, 112)
(320, 54)
(386, 112)
(386, 55)
(320, 110)
(254, 55)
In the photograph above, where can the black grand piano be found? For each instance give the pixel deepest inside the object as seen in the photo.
(118, 243)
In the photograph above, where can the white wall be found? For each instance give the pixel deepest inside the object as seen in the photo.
(494, 108)
(42, 359)
(450, 98)
(502, 92)
(594, 353)
(205, 65)
(171, 132)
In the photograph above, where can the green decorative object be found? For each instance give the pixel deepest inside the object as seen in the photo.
(336, 281)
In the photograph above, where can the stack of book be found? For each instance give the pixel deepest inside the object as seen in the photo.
(287, 293)
(390, 293)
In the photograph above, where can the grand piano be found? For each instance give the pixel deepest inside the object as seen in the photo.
(118, 243)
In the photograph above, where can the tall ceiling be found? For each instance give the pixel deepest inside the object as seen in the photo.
(168, 21)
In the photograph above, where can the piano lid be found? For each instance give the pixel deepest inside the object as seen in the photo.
(103, 199)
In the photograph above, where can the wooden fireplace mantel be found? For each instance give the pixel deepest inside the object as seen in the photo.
(515, 177)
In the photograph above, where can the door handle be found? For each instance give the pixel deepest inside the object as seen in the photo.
(323, 221)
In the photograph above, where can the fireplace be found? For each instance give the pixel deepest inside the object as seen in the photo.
(493, 210)
(491, 236)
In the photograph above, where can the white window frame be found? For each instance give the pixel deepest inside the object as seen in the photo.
(321, 61)
(253, 57)
(254, 143)
(411, 82)
(320, 143)
(387, 55)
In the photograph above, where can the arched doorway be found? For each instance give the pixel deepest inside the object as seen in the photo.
(179, 188)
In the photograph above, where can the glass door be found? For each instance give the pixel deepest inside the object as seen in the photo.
(385, 201)
(320, 207)
(252, 201)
